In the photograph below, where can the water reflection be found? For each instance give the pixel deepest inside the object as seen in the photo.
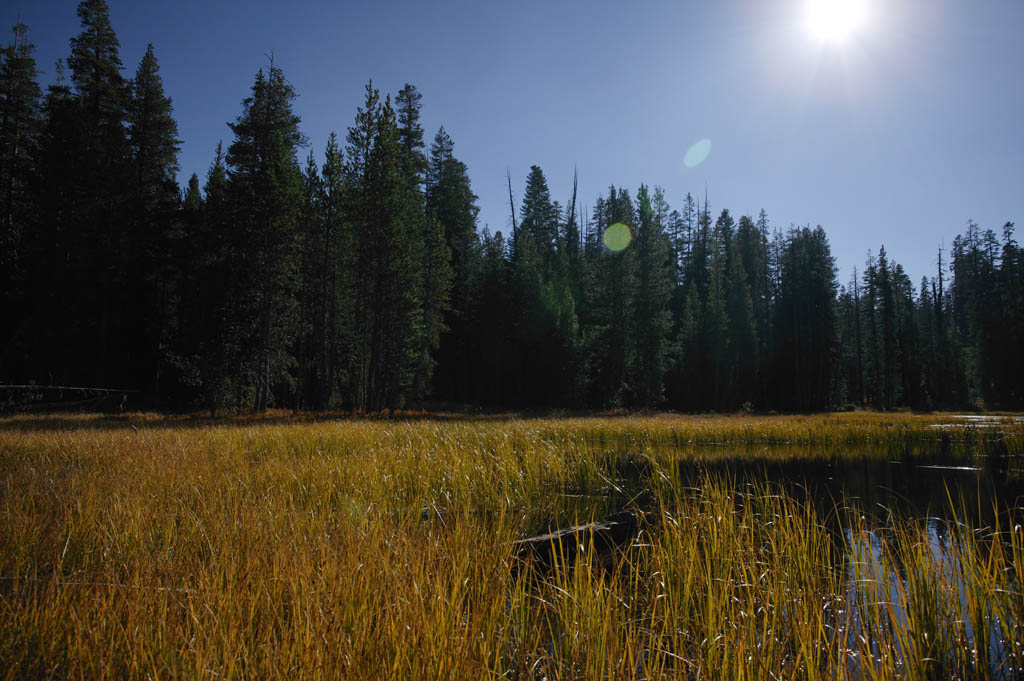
(904, 603)
(939, 485)
(942, 634)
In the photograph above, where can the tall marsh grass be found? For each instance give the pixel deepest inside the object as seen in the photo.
(385, 549)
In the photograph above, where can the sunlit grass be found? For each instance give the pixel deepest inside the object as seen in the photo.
(150, 547)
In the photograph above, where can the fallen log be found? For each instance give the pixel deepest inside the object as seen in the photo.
(606, 534)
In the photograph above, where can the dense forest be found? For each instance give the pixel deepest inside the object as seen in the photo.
(364, 283)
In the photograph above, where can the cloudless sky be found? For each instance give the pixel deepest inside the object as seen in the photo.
(896, 136)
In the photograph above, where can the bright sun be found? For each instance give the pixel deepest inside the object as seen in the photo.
(834, 20)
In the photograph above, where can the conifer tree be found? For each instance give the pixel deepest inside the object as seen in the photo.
(327, 282)
(493, 376)
(571, 237)
(431, 241)
(19, 141)
(153, 138)
(654, 276)
(385, 210)
(610, 341)
(874, 352)
(215, 261)
(742, 350)
(50, 270)
(847, 363)
(154, 233)
(806, 322)
(363, 283)
(265, 192)
(857, 337)
(100, 268)
(715, 321)
(20, 129)
(538, 219)
(886, 316)
(309, 386)
(752, 244)
(546, 309)
(452, 204)
(1010, 283)
(410, 134)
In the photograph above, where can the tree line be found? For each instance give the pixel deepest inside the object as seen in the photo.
(364, 283)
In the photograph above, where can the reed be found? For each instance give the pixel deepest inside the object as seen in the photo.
(358, 548)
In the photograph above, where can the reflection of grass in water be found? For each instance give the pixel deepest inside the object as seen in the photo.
(382, 549)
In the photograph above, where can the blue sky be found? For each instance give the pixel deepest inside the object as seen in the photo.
(896, 136)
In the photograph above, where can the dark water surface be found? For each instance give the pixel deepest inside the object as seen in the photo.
(942, 484)
(879, 488)
(939, 485)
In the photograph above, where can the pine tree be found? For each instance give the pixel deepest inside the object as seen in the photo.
(571, 238)
(908, 360)
(327, 282)
(742, 350)
(1010, 363)
(545, 307)
(310, 388)
(652, 317)
(265, 192)
(103, 95)
(847, 362)
(20, 129)
(538, 219)
(410, 135)
(611, 291)
(682, 393)
(874, 357)
(53, 280)
(949, 376)
(693, 385)
(155, 235)
(433, 246)
(806, 322)
(493, 378)
(215, 260)
(385, 211)
(924, 319)
(715, 321)
(100, 244)
(182, 351)
(684, 246)
(451, 203)
(887, 334)
(858, 339)
(19, 141)
(752, 242)
(153, 138)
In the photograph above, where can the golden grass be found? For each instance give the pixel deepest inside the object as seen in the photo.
(266, 549)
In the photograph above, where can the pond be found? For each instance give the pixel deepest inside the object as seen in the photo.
(899, 604)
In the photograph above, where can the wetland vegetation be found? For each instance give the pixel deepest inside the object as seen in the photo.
(357, 277)
(853, 546)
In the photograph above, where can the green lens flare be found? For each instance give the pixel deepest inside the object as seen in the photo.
(617, 237)
(697, 153)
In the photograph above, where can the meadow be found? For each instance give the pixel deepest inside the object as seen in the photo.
(278, 547)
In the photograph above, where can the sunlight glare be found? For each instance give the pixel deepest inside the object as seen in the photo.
(835, 20)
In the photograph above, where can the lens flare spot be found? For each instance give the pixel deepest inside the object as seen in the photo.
(697, 153)
(617, 237)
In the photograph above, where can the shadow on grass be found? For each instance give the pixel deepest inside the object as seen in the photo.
(273, 417)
